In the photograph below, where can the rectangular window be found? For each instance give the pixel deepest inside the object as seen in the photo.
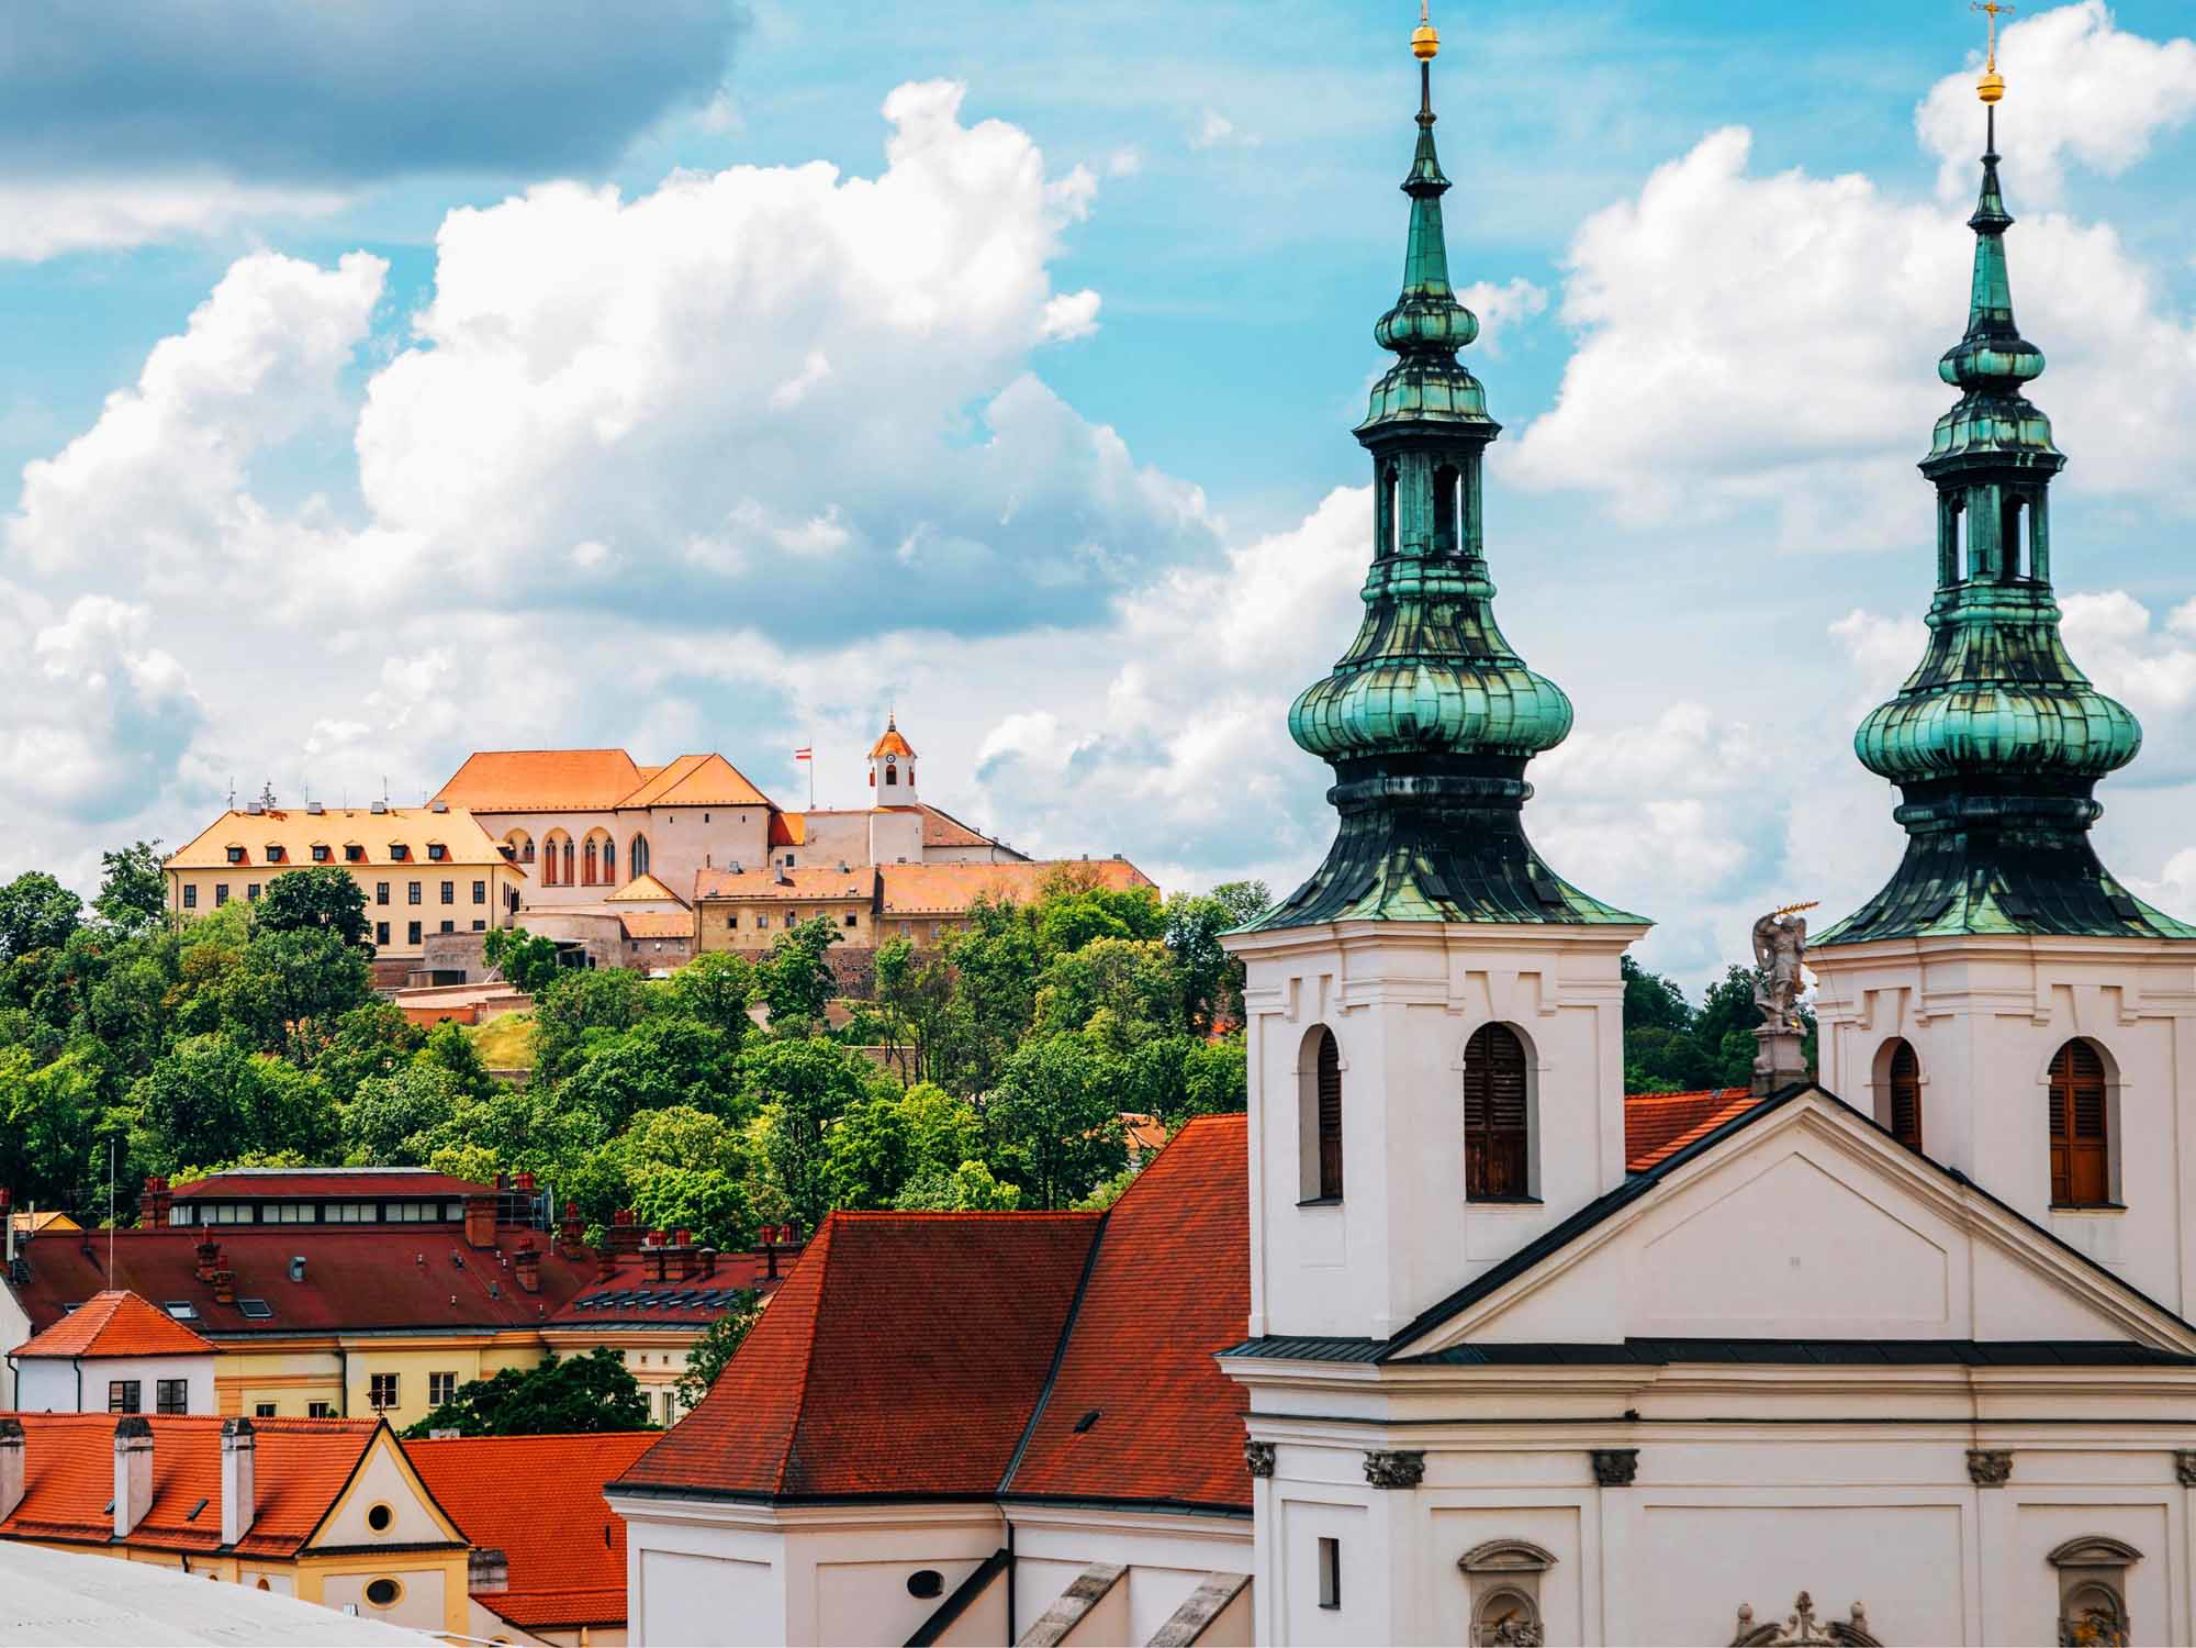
(440, 1388)
(190, 896)
(411, 932)
(124, 1396)
(321, 855)
(221, 894)
(449, 927)
(236, 855)
(381, 932)
(263, 1410)
(449, 892)
(381, 892)
(172, 1395)
(353, 853)
(251, 892)
(479, 926)
(320, 1410)
(850, 921)
(437, 852)
(480, 892)
(1330, 1573)
(729, 921)
(413, 891)
(762, 921)
(381, 1391)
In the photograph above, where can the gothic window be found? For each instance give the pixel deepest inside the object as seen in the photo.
(609, 861)
(636, 856)
(587, 864)
(1497, 1122)
(1320, 1121)
(1903, 1081)
(2081, 1128)
(568, 863)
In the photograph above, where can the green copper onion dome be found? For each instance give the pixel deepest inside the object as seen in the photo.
(1997, 740)
(1430, 717)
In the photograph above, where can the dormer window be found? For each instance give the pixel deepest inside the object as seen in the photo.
(274, 852)
(353, 853)
(437, 852)
(399, 853)
(321, 854)
(236, 855)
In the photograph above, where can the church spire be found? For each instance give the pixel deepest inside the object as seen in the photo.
(1431, 716)
(1997, 740)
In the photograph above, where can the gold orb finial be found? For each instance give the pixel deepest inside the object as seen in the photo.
(1991, 87)
(1425, 39)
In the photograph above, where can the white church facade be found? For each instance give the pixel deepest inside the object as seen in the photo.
(1447, 1341)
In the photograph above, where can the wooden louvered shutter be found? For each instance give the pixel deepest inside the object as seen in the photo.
(1330, 1118)
(2081, 1144)
(1906, 1096)
(1497, 1148)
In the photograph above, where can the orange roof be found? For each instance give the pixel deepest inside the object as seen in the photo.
(788, 829)
(644, 889)
(1658, 1125)
(804, 885)
(1143, 1134)
(949, 889)
(697, 781)
(892, 743)
(942, 829)
(518, 781)
(300, 1469)
(567, 1570)
(116, 1323)
(657, 923)
(284, 838)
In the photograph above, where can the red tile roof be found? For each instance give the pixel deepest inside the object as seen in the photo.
(374, 1276)
(949, 889)
(1171, 1285)
(801, 885)
(299, 1184)
(942, 829)
(567, 1569)
(904, 1355)
(632, 1294)
(522, 781)
(300, 1467)
(697, 781)
(891, 742)
(116, 1323)
(1659, 1125)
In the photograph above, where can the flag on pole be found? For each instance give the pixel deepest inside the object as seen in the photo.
(804, 754)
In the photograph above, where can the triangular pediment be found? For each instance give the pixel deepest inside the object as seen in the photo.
(1805, 1223)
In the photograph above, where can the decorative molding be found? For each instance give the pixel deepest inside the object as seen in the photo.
(2184, 1466)
(1506, 1556)
(1990, 1467)
(1258, 1458)
(1616, 1467)
(1395, 1467)
(1802, 1630)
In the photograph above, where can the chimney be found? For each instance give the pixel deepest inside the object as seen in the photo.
(682, 1242)
(209, 1260)
(709, 1261)
(625, 1235)
(224, 1286)
(11, 1465)
(133, 1472)
(152, 1206)
(571, 1234)
(480, 1220)
(527, 1264)
(606, 1265)
(487, 1569)
(239, 1485)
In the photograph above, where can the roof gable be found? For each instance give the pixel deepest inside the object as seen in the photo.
(697, 781)
(645, 889)
(116, 1322)
(1800, 1219)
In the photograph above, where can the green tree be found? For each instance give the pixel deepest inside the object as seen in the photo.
(716, 989)
(322, 898)
(49, 1115)
(528, 962)
(995, 964)
(707, 1203)
(707, 1356)
(391, 1120)
(969, 1188)
(210, 1098)
(660, 1061)
(795, 980)
(133, 891)
(803, 1085)
(1132, 982)
(372, 1039)
(36, 913)
(289, 990)
(560, 1396)
(579, 1003)
(1055, 1125)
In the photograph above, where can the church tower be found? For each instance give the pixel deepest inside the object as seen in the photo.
(892, 767)
(2004, 1004)
(1435, 1017)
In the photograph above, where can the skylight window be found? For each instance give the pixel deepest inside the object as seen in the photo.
(181, 1309)
(255, 1310)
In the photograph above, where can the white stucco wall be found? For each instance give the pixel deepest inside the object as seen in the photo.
(56, 1384)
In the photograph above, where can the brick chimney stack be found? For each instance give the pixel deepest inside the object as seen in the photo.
(682, 1242)
(11, 1465)
(133, 1472)
(624, 1235)
(526, 1265)
(480, 1220)
(606, 1265)
(153, 1204)
(571, 1234)
(209, 1260)
(239, 1479)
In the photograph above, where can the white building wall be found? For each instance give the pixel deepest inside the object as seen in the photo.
(60, 1384)
(1402, 1000)
(1167, 1558)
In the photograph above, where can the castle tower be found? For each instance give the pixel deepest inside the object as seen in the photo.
(1436, 1058)
(2004, 1004)
(892, 767)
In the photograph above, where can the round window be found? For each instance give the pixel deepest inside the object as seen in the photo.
(383, 1593)
(926, 1583)
(378, 1518)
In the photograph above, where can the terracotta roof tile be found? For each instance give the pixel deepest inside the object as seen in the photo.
(524, 781)
(905, 1354)
(301, 1184)
(295, 832)
(697, 781)
(632, 1294)
(657, 923)
(942, 829)
(802, 884)
(950, 889)
(891, 742)
(645, 889)
(116, 1323)
(567, 1569)
(1659, 1125)
(1170, 1286)
(300, 1469)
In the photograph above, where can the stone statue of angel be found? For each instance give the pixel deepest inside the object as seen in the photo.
(1780, 955)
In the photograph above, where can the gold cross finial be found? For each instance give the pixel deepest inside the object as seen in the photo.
(1992, 85)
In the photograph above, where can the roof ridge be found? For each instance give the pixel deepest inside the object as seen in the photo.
(822, 1260)
(1060, 1346)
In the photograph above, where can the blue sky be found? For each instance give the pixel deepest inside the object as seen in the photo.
(1033, 424)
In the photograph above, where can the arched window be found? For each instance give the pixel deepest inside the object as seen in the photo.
(1497, 1123)
(567, 862)
(2081, 1128)
(1319, 1097)
(1903, 1083)
(609, 861)
(549, 861)
(892, 774)
(1447, 512)
(587, 864)
(636, 856)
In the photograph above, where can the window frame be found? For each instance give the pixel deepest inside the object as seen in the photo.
(1497, 1082)
(2079, 1116)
